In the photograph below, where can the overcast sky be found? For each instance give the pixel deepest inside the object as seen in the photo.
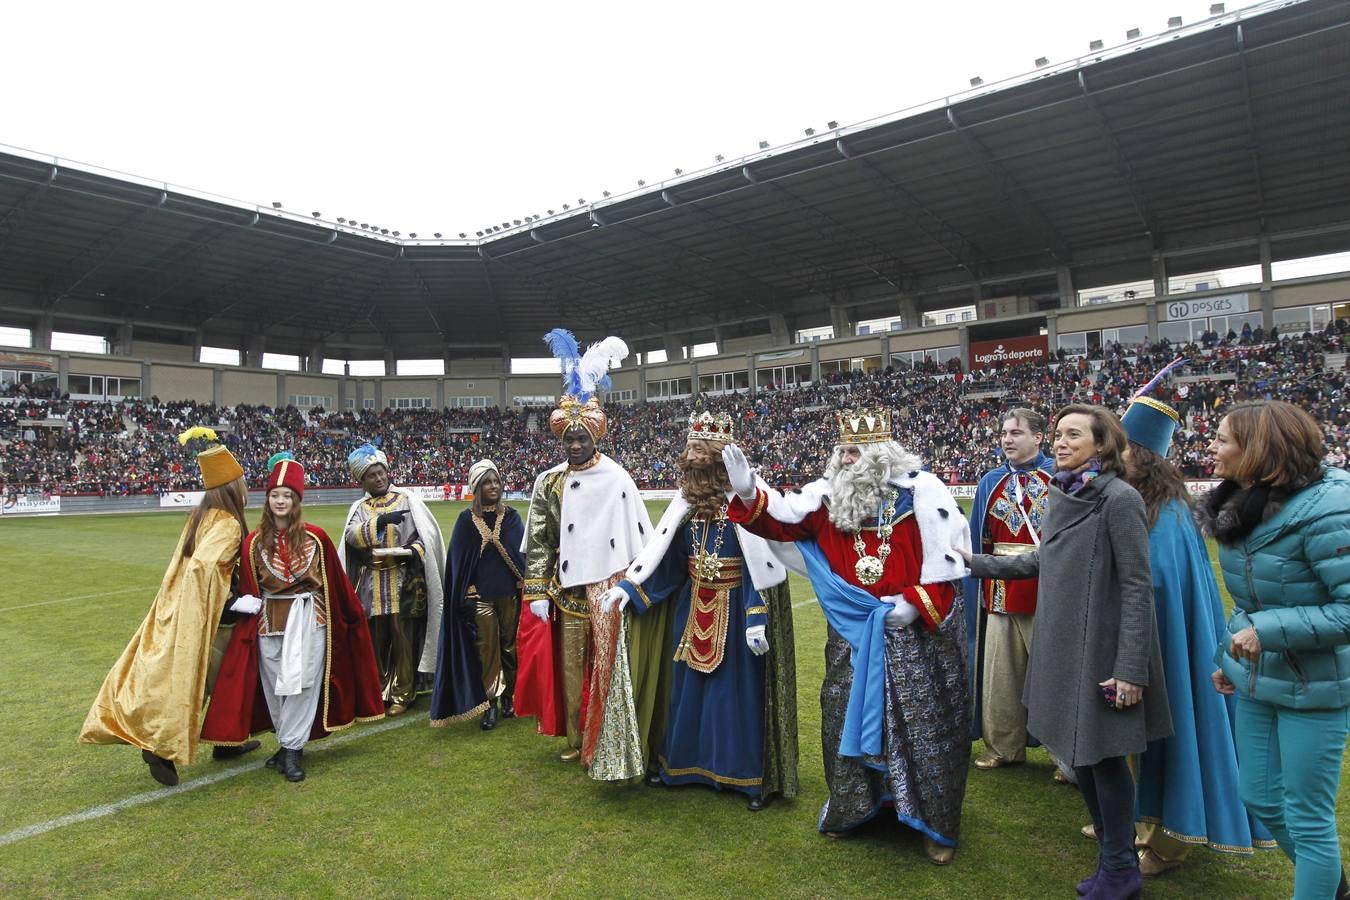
(451, 116)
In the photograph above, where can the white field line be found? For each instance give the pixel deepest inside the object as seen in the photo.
(799, 603)
(107, 809)
(71, 599)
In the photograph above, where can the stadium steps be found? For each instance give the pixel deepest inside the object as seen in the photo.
(1335, 362)
(532, 422)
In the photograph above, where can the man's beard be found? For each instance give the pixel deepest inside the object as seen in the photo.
(703, 485)
(856, 491)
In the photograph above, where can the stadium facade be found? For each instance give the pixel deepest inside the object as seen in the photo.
(1210, 146)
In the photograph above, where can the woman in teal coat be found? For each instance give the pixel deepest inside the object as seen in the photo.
(1282, 520)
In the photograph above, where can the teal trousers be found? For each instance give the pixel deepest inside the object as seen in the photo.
(1289, 769)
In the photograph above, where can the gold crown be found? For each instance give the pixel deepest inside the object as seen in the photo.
(708, 427)
(864, 426)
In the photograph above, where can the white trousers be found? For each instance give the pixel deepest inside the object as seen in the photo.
(293, 716)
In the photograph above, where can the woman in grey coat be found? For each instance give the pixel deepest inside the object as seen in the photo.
(1094, 690)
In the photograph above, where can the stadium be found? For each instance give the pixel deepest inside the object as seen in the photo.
(1053, 238)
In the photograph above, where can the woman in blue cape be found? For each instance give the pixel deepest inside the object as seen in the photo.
(1188, 783)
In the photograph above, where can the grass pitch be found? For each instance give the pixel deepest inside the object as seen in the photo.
(397, 808)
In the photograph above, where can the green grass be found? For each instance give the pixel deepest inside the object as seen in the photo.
(417, 811)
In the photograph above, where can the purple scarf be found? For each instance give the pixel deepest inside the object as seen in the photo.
(1073, 482)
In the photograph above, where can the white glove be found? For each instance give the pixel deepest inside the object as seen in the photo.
(246, 604)
(756, 641)
(540, 609)
(612, 596)
(740, 475)
(903, 613)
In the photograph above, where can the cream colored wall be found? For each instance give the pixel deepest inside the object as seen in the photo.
(1112, 316)
(314, 385)
(1312, 294)
(247, 386)
(154, 350)
(902, 341)
(171, 382)
(852, 348)
(399, 387)
(98, 365)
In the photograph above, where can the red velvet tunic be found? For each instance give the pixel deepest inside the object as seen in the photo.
(901, 572)
(1018, 596)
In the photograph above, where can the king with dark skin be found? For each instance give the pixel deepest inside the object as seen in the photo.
(375, 481)
(579, 446)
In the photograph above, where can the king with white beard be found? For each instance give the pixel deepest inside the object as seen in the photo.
(876, 536)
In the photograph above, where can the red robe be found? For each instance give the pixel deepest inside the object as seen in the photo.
(900, 574)
(351, 689)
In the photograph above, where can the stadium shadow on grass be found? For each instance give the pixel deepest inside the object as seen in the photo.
(417, 811)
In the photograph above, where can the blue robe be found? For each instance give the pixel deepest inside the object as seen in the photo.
(715, 724)
(1189, 782)
(979, 510)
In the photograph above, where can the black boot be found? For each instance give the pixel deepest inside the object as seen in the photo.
(508, 706)
(274, 761)
(290, 765)
(1343, 892)
(490, 717)
(235, 752)
(757, 803)
(161, 769)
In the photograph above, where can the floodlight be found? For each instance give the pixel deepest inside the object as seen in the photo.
(606, 193)
(1174, 22)
(1132, 34)
(411, 234)
(810, 131)
(316, 214)
(764, 145)
(276, 205)
(832, 125)
(641, 183)
(1216, 9)
(976, 81)
(1042, 62)
(480, 234)
(1095, 45)
(679, 171)
(565, 206)
(581, 200)
(341, 221)
(396, 234)
(719, 157)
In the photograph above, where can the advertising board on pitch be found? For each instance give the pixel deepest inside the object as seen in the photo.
(1010, 352)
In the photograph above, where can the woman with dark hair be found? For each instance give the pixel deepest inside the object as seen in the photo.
(153, 696)
(1188, 783)
(1100, 696)
(1282, 520)
(300, 663)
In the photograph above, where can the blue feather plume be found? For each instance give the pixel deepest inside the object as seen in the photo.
(563, 345)
(1157, 379)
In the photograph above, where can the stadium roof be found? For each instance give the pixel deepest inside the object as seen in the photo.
(1189, 144)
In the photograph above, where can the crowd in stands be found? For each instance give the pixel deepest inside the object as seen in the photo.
(948, 416)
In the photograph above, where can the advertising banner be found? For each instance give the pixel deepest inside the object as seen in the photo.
(180, 499)
(1009, 352)
(30, 504)
(1201, 307)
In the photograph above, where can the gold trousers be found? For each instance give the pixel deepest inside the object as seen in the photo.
(1007, 647)
(218, 645)
(394, 655)
(497, 621)
(576, 647)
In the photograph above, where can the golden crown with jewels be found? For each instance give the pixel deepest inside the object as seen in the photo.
(708, 427)
(864, 426)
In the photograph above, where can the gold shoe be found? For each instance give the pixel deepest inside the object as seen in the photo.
(1089, 832)
(569, 755)
(1152, 865)
(396, 709)
(937, 854)
(1060, 777)
(990, 760)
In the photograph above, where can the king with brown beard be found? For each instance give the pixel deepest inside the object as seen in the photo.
(731, 719)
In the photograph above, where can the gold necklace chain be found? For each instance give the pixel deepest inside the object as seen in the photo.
(709, 564)
(869, 568)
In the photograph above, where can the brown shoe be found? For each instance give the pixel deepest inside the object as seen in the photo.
(396, 709)
(1060, 777)
(1152, 865)
(990, 760)
(937, 854)
(1089, 832)
(569, 755)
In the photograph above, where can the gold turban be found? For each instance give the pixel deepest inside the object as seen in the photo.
(571, 413)
(218, 467)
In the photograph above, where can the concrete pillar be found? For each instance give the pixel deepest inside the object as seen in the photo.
(1267, 282)
(62, 372)
(910, 317)
(693, 375)
(840, 322)
(218, 387)
(815, 362)
(1159, 274)
(781, 330)
(42, 333)
(122, 340)
(146, 390)
(254, 345)
(963, 346)
(343, 389)
(197, 345)
(1068, 295)
(1052, 333)
(1151, 320)
(503, 392)
(440, 393)
(885, 350)
(750, 373)
(282, 399)
(379, 394)
(720, 338)
(642, 384)
(390, 362)
(674, 347)
(313, 361)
